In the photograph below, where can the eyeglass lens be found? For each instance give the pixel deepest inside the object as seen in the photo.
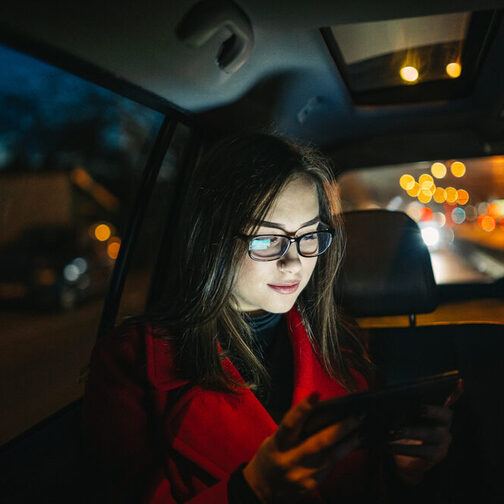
(270, 247)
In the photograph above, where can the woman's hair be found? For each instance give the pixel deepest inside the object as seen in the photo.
(233, 187)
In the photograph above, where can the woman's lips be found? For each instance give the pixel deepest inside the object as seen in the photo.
(285, 287)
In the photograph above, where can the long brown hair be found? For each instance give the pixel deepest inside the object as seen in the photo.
(234, 186)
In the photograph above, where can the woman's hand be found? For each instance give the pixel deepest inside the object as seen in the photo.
(417, 449)
(285, 468)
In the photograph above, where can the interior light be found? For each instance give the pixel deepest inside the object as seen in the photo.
(454, 70)
(438, 170)
(408, 73)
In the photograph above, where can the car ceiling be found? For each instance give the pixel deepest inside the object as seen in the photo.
(133, 47)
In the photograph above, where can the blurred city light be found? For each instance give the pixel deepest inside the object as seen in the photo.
(430, 236)
(451, 195)
(458, 169)
(458, 215)
(462, 196)
(415, 190)
(102, 232)
(438, 170)
(407, 182)
(439, 195)
(113, 247)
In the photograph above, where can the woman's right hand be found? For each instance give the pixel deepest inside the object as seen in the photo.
(285, 468)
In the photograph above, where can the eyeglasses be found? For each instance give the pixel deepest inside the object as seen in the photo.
(272, 247)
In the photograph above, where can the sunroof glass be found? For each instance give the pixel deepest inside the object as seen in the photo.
(402, 54)
(403, 51)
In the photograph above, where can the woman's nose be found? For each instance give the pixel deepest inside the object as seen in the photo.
(290, 262)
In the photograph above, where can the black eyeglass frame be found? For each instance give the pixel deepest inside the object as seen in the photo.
(291, 239)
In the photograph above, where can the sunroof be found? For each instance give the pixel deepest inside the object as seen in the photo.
(410, 59)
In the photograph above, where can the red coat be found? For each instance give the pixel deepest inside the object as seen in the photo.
(182, 448)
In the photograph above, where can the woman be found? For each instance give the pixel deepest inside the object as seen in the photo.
(205, 403)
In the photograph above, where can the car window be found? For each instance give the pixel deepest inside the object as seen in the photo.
(458, 204)
(71, 157)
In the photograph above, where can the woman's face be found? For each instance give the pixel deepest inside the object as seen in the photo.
(274, 286)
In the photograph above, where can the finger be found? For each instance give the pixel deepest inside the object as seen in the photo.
(455, 395)
(325, 439)
(441, 415)
(288, 431)
(423, 434)
(423, 451)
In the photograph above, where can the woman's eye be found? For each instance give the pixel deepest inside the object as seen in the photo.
(311, 236)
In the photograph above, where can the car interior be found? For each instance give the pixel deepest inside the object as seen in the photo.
(384, 89)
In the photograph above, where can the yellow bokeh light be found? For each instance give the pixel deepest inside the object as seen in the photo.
(425, 178)
(462, 196)
(424, 196)
(438, 170)
(458, 169)
(407, 182)
(451, 195)
(439, 195)
(454, 69)
(488, 223)
(428, 186)
(102, 232)
(494, 210)
(408, 73)
(413, 192)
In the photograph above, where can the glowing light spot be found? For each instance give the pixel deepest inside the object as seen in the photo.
(425, 178)
(413, 210)
(415, 190)
(430, 236)
(458, 215)
(408, 73)
(426, 214)
(471, 213)
(454, 70)
(501, 223)
(494, 210)
(71, 272)
(439, 219)
(462, 196)
(81, 264)
(424, 196)
(407, 182)
(439, 195)
(486, 223)
(458, 169)
(113, 247)
(482, 208)
(102, 232)
(438, 170)
(451, 195)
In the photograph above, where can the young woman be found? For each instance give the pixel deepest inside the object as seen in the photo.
(206, 402)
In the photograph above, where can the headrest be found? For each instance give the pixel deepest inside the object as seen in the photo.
(387, 268)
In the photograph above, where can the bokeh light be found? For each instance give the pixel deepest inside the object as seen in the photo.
(413, 210)
(426, 214)
(453, 69)
(439, 195)
(407, 182)
(471, 213)
(458, 215)
(438, 170)
(430, 236)
(494, 210)
(451, 195)
(415, 190)
(102, 232)
(409, 74)
(439, 218)
(486, 223)
(113, 247)
(458, 169)
(425, 196)
(462, 196)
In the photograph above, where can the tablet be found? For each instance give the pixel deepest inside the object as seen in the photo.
(388, 408)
